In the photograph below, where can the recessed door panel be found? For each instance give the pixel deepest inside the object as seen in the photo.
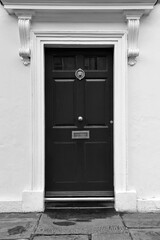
(63, 102)
(97, 156)
(96, 101)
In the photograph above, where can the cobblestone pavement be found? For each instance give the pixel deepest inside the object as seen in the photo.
(80, 225)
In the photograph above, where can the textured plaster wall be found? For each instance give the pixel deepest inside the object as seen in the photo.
(143, 114)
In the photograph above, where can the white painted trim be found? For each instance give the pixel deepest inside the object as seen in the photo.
(117, 39)
(12, 8)
(116, 5)
(33, 201)
(71, 2)
(126, 201)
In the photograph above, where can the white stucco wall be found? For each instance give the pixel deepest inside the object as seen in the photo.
(15, 155)
(143, 116)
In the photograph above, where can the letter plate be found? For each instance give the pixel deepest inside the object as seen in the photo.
(80, 135)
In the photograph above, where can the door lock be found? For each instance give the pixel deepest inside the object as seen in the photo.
(111, 121)
(80, 118)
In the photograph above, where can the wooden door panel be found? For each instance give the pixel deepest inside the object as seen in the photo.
(97, 156)
(64, 161)
(96, 102)
(64, 101)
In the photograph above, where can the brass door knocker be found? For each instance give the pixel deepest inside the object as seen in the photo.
(80, 74)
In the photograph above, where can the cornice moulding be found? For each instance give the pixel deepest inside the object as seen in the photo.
(111, 2)
(77, 5)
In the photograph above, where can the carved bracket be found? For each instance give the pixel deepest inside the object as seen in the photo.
(133, 20)
(24, 22)
(24, 33)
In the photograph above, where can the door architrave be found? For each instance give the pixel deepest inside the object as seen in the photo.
(102, 39)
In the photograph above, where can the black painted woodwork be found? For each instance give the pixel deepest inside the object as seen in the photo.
(76, 166)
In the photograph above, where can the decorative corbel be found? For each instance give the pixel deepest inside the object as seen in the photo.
(24, 33)
(24, 22)
(133, 19)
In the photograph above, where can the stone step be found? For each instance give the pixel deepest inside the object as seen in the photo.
(79, 205)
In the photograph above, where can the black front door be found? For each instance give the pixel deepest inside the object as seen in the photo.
(78, 118)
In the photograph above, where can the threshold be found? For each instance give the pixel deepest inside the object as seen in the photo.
(79, 203)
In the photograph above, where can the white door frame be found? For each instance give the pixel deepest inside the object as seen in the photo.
(33, 199)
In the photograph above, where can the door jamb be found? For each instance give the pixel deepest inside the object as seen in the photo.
(33, 199)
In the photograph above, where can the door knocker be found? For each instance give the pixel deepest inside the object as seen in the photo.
(80, 74)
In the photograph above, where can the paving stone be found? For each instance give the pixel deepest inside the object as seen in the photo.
(145, 234)
(78, 222)
(17, 226)
(6, 216)
(142, 220)
(64, 237)
(114, 236)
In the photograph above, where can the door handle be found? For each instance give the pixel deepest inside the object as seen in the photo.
(80, 118)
